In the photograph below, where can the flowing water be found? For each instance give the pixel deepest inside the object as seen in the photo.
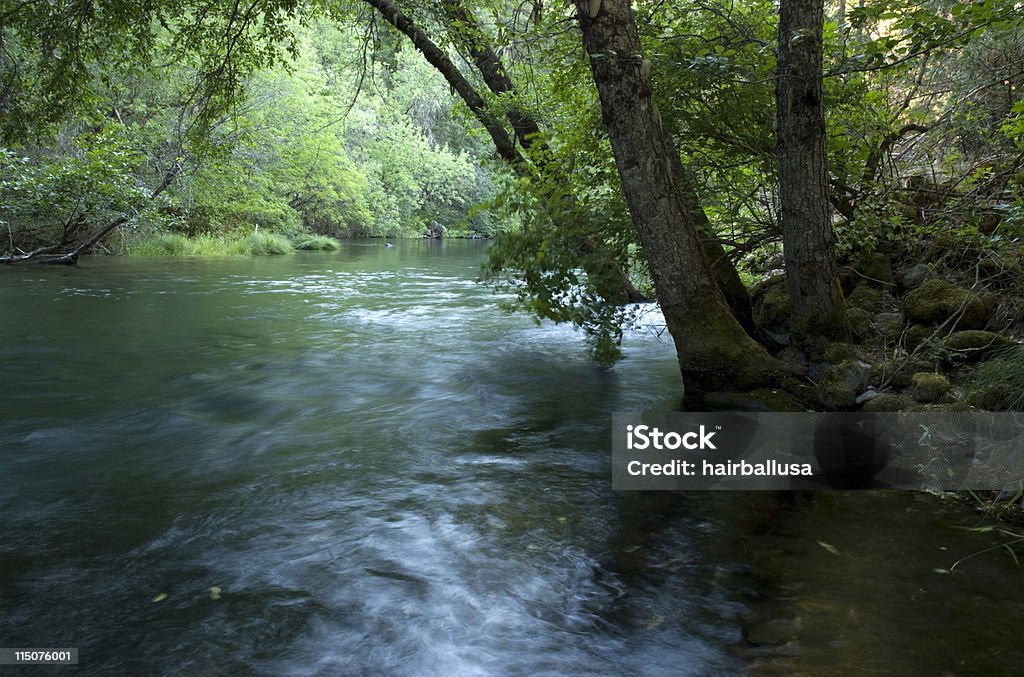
(355, 463)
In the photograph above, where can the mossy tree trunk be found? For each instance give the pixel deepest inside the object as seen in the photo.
(714, 350)
(807, 235)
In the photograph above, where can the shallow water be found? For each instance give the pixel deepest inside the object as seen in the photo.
(384, 473)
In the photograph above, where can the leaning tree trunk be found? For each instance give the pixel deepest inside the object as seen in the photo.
(807, 235)
(713, 349)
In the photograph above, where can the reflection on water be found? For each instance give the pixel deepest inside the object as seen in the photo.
(386, 474)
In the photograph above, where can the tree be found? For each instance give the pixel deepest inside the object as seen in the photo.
(808, 239)
(713, 349)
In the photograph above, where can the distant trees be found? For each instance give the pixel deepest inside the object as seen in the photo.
(678, 151)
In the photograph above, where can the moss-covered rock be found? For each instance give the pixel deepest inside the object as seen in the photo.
(876, 268)
(976, 345)
(862, 323)
(889, 325)
(936, 301)
(895, 373)
(888, 402)
(914, 276)
(1001, 270)
(865, 297)
(928, 388)
(917, 334)
(841, 384)
(770, 306)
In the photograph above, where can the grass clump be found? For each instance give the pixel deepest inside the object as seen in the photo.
(998, 384)
(174, 244)
(167, 244)
(265, 244)
(318, 243)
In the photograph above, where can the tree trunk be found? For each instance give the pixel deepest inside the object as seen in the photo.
(807, 235)
(713, 349)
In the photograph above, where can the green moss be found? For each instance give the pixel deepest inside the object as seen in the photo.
(936, 301)
(840, 385)
(928, 387)
(865, 297)
(975, 344)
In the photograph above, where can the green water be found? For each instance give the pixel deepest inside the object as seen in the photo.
(385, 474)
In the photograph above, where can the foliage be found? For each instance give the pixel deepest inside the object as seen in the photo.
(174, 244)
(998, 384)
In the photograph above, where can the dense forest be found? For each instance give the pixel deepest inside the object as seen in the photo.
(682, 151)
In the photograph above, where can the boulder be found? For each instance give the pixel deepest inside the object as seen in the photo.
(976, 345)
(928, 388)
(841, 384)
(888, 402)
(876, 268)
(917, 334)
(914, 276)
(889, 325)
(862, 323)
(770, 305)
(936, 301)
(866, 298)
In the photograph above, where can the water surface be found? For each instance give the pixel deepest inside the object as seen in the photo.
(385, 474)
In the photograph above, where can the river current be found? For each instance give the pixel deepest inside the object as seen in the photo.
(356, 463)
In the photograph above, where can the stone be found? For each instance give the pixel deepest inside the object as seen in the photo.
(876, 268)
(862, 323)
(865, 297)
(914, 276)
(888, 402)
(928, 388)
(762, 399)
(936, 301)
(867, 396)
(976, 345)
(917, 334)
(840, 384)
(770, 305)
(889, 325)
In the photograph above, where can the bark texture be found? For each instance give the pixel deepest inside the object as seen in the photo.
(806, 213)
(713, 349)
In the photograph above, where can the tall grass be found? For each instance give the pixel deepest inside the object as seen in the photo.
(998, 384)
(173, 244)
(318, 242)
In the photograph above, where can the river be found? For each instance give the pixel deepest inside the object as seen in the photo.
(355, 463)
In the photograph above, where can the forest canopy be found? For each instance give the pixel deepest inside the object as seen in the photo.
(143, 127)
